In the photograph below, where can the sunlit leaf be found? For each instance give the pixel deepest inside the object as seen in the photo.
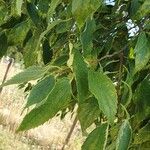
(16, 7)
(82, 9)
(59, 98)
(40, 91)
(144, 9)
(3, 12)
(53, 5)
(31, 73)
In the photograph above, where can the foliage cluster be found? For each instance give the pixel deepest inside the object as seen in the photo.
(93, 54)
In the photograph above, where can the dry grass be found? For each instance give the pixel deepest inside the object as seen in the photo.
(51, 135)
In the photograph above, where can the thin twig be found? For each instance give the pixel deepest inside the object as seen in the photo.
(70, 133)
(6, 73)
(111, 55)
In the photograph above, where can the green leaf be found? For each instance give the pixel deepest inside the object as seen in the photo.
(81, 75)
(53, 5)
(49, 27)
(47, 52)
(40, 91)
(16, 7)
(87, 37)
(33, 13)
(3, 44)
(58, 99)
(82, 9)
(88, 112)
(142, 51)
(143, 134)
(30, 54)
(135, 5)
(43, 7)
(141, 99)
(31, 73)
(144, 9)
(126, 98)
(3, 12)
(104, 91)
(124, 136)
(97, 139)
(18, 33)
(62, 60)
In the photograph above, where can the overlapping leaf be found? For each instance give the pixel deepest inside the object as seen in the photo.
(3, 12)
(142, 51)
(97, 139)
(81, 75)
(3, 44)
(18, 33)
(53, 5)
(144, 9)
(82, 9)
(143, 134)
(59, 98)
(141, 99)
(16, 7)
(31, 73)
(88, 112)
(87, 37)
(124, 136)
(40, 91)
(104, 91)
(30, 53)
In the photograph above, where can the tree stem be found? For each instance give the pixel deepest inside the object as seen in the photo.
(70, 133)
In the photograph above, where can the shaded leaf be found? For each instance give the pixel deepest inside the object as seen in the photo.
(3, 44)
(62, 60)
(18, 33)
(81, 75)
(126, 98)
(124, 136)
(141, 99)
(49, 27)
(31, 73)
(59, 98)
(40, 91)
(104, 91)
(135, 5)
(143, 134)
(33, 13)
(97, 139)
(142, 51)
(43, 7)
(47, 52)
(30, 54)
(87, 37)
(88, 112)
(82, 9)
